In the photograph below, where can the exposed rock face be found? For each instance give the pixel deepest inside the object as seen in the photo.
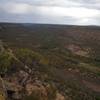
(75, 49)
(43, 92)
(3, 94)
(35, 87)
(37, 90)
(2, 97)
(59, 97)
(22, 84)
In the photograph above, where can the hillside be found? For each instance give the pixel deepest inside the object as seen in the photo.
(50, 62)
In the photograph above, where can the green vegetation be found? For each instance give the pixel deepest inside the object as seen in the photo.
(51, 92)
(44, 52)
(97, 98)
(33, 96)
(30, 57)
(5, 62)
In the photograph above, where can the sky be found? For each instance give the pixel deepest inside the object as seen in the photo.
(69, 12)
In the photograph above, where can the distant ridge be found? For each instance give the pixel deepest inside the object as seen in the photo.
(28, 24)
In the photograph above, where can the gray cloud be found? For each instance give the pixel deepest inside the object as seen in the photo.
(77, 12)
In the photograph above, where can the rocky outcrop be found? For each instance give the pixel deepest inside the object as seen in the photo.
(59, 97)
(3, 94)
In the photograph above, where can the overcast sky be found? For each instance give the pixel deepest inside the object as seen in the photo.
(75, 12)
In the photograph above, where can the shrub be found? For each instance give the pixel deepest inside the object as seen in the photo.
(5, 62)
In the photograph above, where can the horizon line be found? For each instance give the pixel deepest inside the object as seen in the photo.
(38, 23)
